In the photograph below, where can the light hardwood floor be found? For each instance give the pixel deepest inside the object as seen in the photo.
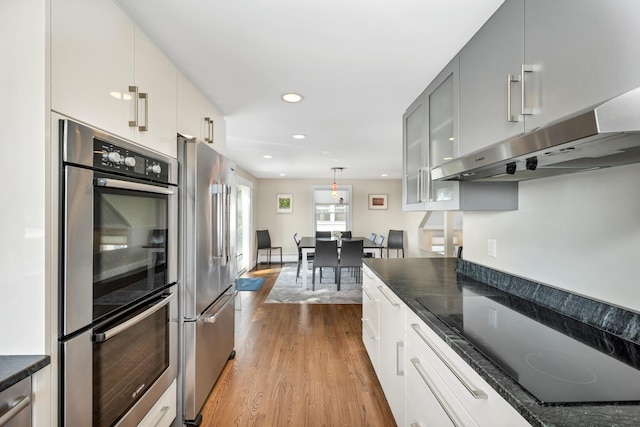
(296, 365)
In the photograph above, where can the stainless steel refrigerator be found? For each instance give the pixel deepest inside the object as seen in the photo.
(207, 270)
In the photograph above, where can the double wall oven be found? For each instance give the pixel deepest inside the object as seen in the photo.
(118, 295)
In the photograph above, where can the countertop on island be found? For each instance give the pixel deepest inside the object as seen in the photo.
(415, 277)
(16, 368)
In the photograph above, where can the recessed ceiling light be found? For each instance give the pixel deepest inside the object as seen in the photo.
(283, 174)
(385, 174)
(292, 97)
(267, 156)
(298, 136)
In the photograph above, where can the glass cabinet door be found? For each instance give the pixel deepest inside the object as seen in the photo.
(414, 141)
(442, 134)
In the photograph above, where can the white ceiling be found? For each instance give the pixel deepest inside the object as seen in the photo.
(358, 64)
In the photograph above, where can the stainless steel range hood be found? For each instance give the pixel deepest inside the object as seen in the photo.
(603, 136)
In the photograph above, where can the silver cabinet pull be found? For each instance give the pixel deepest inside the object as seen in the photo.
(399, 358)
(110, 333)
(511, 78)
(144, 96)
(523, 110)
(21, 403)
(436, 393)
(164, 411)
(134, 91)
(392, 302)
(209, 137)
(365, 323)
(366, 292)
(476, 392)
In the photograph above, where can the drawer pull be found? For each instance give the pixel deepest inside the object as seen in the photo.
(476, 392)
(17, 407)
(163, 412)
(393, 303)
(365, 323)
(368, 294)
(436, 393)
(399, 359)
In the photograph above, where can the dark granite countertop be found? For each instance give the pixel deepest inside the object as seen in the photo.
(16, 368)
(415, 277)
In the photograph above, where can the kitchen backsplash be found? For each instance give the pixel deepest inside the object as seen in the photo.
(615, 320)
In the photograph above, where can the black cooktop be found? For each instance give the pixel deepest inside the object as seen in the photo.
(557, 359)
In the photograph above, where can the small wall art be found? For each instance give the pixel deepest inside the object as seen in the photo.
(377, 201)
(284, 203)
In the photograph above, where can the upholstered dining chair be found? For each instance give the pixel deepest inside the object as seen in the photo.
(326, 255)
(395, 240)
(264, 243)
(309, 255)
(346, 234)
(323, 234)
(351, 256)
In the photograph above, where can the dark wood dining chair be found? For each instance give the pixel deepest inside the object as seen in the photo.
(326, 255)
(323, 234)
(351, 256)
(346, 234)
(264, 243)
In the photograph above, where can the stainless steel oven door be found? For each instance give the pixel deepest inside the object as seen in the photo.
(115, 373)
(120, 244)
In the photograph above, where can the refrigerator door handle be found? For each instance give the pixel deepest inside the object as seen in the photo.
(220, 217)
(212, 318)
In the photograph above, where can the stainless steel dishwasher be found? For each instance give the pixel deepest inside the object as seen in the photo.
(15, 405)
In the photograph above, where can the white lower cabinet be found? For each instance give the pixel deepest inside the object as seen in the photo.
(371, 317)
(164, 411)
(392, 351)
(436, 372)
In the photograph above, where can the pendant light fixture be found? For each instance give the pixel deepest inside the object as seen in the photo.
(334, 186)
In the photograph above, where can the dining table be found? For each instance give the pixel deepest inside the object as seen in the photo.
(308, 245)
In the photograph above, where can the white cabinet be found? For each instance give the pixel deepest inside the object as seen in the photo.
(439, 377)
(105, 72)
(371, 316)
(197, 117)
(391, 372)
(163, 412)
(535, 62)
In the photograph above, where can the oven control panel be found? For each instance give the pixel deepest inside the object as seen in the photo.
(113, 158)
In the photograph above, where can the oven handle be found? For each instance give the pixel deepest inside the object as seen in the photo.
(110, 333)
(128, 185)
(15, 409)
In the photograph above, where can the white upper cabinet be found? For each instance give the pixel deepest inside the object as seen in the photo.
(197, 117)
(537, 61)
(106, 73)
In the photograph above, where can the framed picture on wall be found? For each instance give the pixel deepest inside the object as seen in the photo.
(284, 203)
(377, 201)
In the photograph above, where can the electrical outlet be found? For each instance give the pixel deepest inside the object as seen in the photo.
(492, 249)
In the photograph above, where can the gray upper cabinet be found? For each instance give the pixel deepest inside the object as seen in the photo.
(537, 61)
(414, 153)
(490, 65)
(581, 52)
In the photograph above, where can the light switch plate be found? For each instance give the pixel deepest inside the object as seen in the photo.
(492, 249)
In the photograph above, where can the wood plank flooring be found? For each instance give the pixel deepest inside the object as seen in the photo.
(296, 365)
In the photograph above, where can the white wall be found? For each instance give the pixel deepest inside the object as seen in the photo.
(282, 227)
(577, 232)
(22, 181)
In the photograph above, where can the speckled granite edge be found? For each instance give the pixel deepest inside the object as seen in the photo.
(14, 369)
(615, 320)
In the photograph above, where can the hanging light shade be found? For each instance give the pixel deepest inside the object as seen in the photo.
(334, 186)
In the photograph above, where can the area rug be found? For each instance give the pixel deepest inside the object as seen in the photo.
(286, 290)
(249, 283)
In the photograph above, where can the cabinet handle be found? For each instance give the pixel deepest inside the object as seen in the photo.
(511, 78)
(163, 412)
(476, 392)
(15, 408)
(365, 323)
(209, 137)
(144, 96)
(134, 91)
(368, 294)
(436, 393)
(399, 358)
(393, 303)
(524, 69)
